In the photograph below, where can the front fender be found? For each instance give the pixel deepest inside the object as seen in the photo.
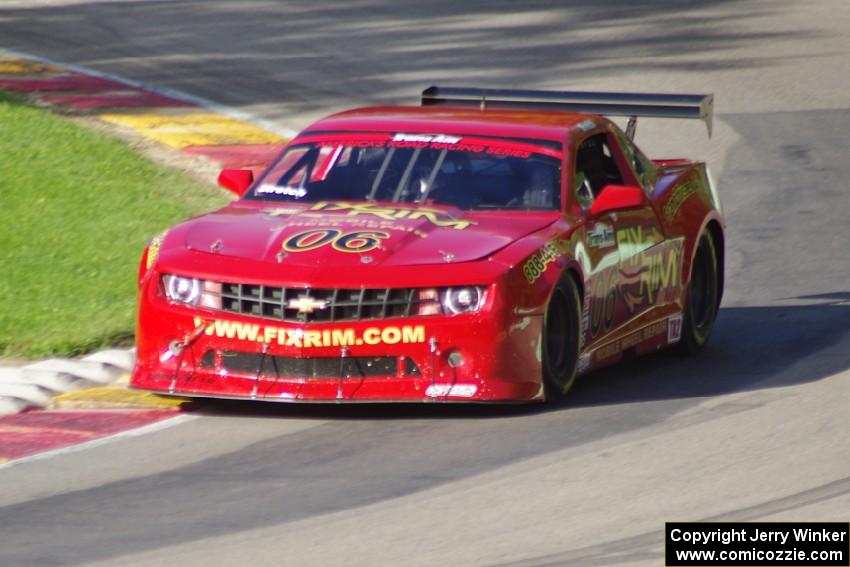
(536, 263)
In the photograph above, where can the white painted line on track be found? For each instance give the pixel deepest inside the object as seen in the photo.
(164, 91)
(138, 431)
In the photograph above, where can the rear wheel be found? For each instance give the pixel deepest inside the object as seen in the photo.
(561, 328)
(701, 307)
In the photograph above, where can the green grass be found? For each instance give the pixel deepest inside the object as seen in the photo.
(76, 210)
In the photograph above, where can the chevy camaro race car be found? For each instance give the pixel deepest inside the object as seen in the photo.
(489, 245)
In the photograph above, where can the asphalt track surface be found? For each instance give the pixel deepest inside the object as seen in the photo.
(753, 429)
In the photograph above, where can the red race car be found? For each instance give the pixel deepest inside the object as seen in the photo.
(489, 245)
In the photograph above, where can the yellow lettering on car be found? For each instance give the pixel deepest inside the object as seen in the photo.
(372, 336)
(247, 332)
(413, 334)
(293, 338)
(342, 337)
(679, 196)
(660, 271)
(391, 335)
(208, 330)
(434, 216)
(300, 338)
(225, 329)
(312, 339)
(540, 260)
(269, 334)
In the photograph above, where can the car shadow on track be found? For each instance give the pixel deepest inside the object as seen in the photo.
(752, 348)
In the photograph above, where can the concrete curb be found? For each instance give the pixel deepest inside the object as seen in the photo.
(34, 385)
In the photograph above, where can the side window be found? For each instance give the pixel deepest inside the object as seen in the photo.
(301, 165)
(595, 168)
(642, 166)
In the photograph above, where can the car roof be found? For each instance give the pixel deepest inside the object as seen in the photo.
(532, 124)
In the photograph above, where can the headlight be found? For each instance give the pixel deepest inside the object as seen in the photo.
(192, 291)
(450, 301)
(468, 299)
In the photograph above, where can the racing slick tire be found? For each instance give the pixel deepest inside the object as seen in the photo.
(702, 300)
(560, 344)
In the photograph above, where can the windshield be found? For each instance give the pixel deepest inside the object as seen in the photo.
(469, 173)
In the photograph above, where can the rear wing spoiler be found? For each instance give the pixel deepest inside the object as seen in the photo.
(633, 105)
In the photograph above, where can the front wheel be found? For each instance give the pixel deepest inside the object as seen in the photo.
(702, 304)
(561, 328)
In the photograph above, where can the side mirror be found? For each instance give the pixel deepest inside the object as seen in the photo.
(236, 180)
(617, 198)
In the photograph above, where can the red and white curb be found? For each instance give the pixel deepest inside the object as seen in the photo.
(86, 402)
(34, 385)
(34, 436)
(87, 74)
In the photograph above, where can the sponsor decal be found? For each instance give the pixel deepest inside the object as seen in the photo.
(356, 242)
(297, 192)
(652, 277)
(540, 260)
(602, 236)
(426, 138)
(495, 147)
(632, 340)
(300, 338)
(603, 302)
(458, 390)
(679, 196)
(352, 223)
(641, 281)
(632, 240)
(441, 141)
(434, 216)
(586, 125)
(674, 329)
(281, 212)
(153, 250)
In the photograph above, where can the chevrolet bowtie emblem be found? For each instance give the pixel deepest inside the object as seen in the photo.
(306, 304)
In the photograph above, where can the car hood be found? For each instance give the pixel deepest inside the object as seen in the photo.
(322, 234)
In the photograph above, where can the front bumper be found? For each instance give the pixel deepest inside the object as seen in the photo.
(192, 352)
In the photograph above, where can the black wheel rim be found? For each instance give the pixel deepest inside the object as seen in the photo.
(703, 289)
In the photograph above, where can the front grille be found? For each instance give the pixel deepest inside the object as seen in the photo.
(316, 367)
(319, 305)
